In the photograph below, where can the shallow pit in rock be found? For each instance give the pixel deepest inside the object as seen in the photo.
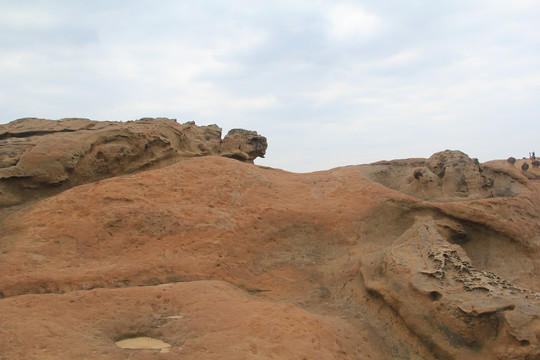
(143, 343)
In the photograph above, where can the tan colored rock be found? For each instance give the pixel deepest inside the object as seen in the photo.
(325, 265)
(445, 177)
(243, 145)
(463, 312)
(42, 157)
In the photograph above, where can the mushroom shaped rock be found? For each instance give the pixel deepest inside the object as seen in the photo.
(460, 175)
(244, 145)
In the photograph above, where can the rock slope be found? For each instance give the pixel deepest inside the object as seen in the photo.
(41, 157)
(219, 258)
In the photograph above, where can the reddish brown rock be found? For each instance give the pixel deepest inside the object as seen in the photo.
(369, 272)
(199, 320)
(41, 157)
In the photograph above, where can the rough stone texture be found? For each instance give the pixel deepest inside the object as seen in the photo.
(199, 319)
(41, 157)
(244, 145)
(446, 176)
(466, 313)
(262, 263)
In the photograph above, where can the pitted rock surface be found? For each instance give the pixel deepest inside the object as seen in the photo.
(40, 157)
(243, 145)
(448, 176)
(219, 258)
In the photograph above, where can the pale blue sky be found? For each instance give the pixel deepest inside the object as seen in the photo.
(329, 83)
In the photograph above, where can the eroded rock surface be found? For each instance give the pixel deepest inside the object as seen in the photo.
(464, 312)
(243, 145)
(196, 320)
(41, 157)
(222, 259)
(447, 176)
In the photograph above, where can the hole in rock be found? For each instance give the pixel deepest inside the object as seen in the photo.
(435, 295)
(143, 343)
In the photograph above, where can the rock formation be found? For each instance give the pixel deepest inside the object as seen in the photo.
(243, 145)
(217, 258)
(447, 176)
(41, 157)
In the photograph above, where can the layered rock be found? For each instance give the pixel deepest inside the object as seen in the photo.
(239, 261)
(243, 145)
(40, 157)
(464, 312)
(447, 176)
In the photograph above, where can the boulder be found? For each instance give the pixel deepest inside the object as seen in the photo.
(243, 145)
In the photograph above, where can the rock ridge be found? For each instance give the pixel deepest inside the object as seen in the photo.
(448, 176)
(40, 157)
(240, 261)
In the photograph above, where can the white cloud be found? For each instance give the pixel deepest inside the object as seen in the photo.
(349, 21)
(373, 79)
(402, 57)
(331, 92)
(13, 61)
(27, 17)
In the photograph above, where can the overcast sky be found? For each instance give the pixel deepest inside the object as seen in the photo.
(329, 83)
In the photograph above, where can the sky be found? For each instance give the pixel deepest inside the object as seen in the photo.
(329, 83)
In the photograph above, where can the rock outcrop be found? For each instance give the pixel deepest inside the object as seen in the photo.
(447, 176)
(218, 258)
(243, 145)
(464, 312)
(41, 157)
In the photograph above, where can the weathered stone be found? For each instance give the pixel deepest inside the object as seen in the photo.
(445, 177)
(243, 145)
(41, 157)
(222, 259)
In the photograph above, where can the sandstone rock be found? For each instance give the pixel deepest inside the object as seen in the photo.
(41, 157)
(460, 174)
(199, 320)
(243, 145)
(222, 259)
(444, 177)
(465, 313)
